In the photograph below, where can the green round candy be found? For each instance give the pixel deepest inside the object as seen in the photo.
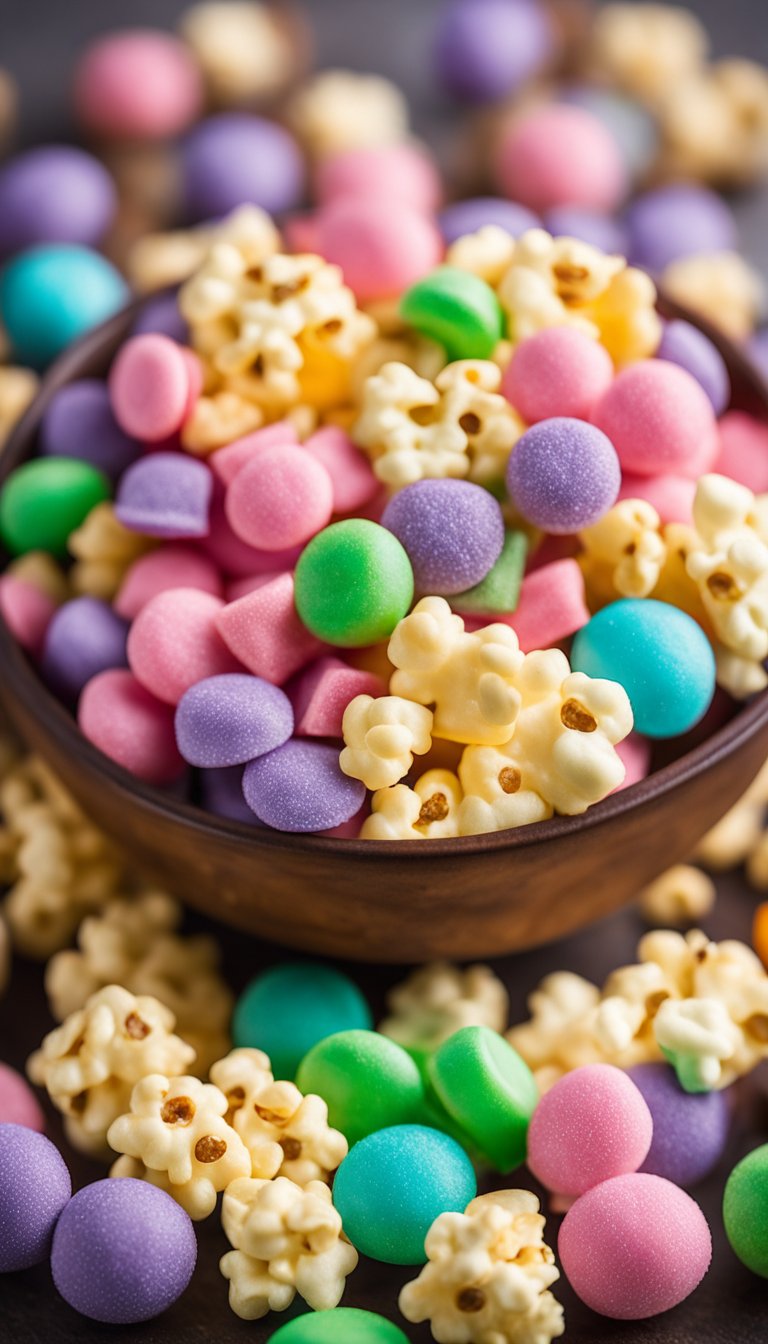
(289, 1008)
(367, 1081)
(745, 1210)
(488, 1090)
(45, 500)
(354, 582)
(341, 1325)
(456, 309)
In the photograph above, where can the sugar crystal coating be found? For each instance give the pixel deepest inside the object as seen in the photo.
(34, 1189)
(300, 787)
(232, 718)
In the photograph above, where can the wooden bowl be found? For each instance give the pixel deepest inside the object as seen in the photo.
(402, 901)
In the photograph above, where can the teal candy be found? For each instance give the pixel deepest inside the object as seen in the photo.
(658, 654)
(394, 1184)
(49, 296)
(289, 1008)
(340, 1325)
(456, 309)
(367, 1081)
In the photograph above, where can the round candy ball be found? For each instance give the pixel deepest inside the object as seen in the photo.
(368, 1081)
(394, 1184)
(659, 419)
(593, 1124)
(488, 1091)
(34, 1188)
(166, 495)
(404, 173)
(279, 499)
(18, 1103)
(54, 194)
(230, 719)
(123, 1251)
(354, 582)
(557, 155)
(463, 217)
(301, 787)
(485, 49)
(456, 309)
(137, 84)
(684, 345)
(661, 657)
(681, 220)
(381, 250)
(340, 1325)
(130, 726)
(221, 792)
(634, 1246)
(558, 372)
(452, 531)
(50, 295)
(287, 1009)
(174, 642)
(689, 1129)
(235, 158)
(604, 232)
(149, 387)
(171, 566)
(633, 127)
(745, 1210)
(27, 611)
(563, 475)
(79, 422)
(85, 637)
(45, 500)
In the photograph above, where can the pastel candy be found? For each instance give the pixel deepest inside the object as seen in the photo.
(84, 637)
(231, 719)
(321, 694)
(635, 755)
(659, 419)
(128, 724)
(18, 1103)
(684, 344)
(234, 556)
(487, 1090)
(221, 792)
(463, 217)
(452, 532)
(34, 1189)
(79, 422)
(456, 309)
(166, 495)
(287, 1009)
(397, 174)
(689, 1129)
(300, 787)
(52, 294)
(149, 387)
(43, 501)
(354, 483)
(551, 605)
(743, 451)
(485, 49)
(671, 496)
(368, 1081)
(499, 592)
(679, 220)
(171, 566)
(559, 155)
(354, 582)
(590, 226)
(340, 1325)
(227, 462)
(233, 158)
(138, 84)
(27, 611)
(744, 1210)
(558, 372)
(381, 251)
(563, 475)
(54, 194)
(174, 642)
(263, 631)
(159, 314)
(280, 499)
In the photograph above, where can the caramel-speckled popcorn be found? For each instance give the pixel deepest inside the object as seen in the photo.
(719, 286)
(624, 552)
(559, 1034)
(428, 811)
(438, 1000)
(280, 1117)
(682, 896)
(714, 124)
(381, 736)
(104, 551)
(339, 109)
(243, 51)
(646, 49)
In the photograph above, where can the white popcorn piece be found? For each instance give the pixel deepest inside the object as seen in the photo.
(243, 50)
(287, 1134)
(647, 51)
(624, 551)
(697, 1036)
(339, 109)
(428, 811)
(438, 1000)
(721, 287)
(381, 737)
(681, 896)
(488, 253)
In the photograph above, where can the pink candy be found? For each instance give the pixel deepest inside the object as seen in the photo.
(551, 606)
(120, 717)
(264, 632)
(174, 642)
(138, 84)
(743, 451)
(227, 462)
(235, 557)
(659, 420)
(397, 174)
(381, 249)
(27, 611)
(557, 372)
(635, 755)
(352, 478)
(280, 499)
(18, 1103)
(561, 155)
(173, 566)
(322, 693)
(151, 387)
(671, 496)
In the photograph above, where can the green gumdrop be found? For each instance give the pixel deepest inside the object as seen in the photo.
(456, 309)
(289, 1008)
(353, 583)
(340, 1325)
(499, 592)
(368, 1082)
(745, 1210)
(44, 501)
(488, 1090)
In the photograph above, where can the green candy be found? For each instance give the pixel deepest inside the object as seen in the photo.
(340, 1325)
(44, 501)
(745, 1210)
(498, 593)
(289, 1008)
(353, 583)
(488, 1091)
(456, 309)
(368, 1082)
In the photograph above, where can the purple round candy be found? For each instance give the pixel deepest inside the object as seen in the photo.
(54, 194)
(231, 719)
(678, 221)
(757, 349)
(221, 792)
(464, 217)
(34, 1188)
(689, 1129)
(484, 49)
(159, 316)
(166, 495)
(563, 475)
(301, 787)
(601, 231)
(685, 345)
(85, 637)
(79, 423)
(452, 532)
(123, 1251)
(235, 158)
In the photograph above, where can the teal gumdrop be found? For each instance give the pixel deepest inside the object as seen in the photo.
(658, 654)
(289, 1008)
(367, 1081)
(456, 309)
(394, 1184)
(340, 1325)
(49, 296)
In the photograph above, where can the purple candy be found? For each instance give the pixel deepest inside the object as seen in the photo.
(301, 787)
(685, 345)
(166, 495)
(85, 637)
(230, 719)
(689, 1129)
(123, 1251)
(235, 158)
(601, 231)
(221, 792)
(563, 475)
(757, 349)
(484, 49)
(452, 531)
(159, 315)
(54, 194)
(468, 216)
(678, 221)
(79, 423)
(34, 1188)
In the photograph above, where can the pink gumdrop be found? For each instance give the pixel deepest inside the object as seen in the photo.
(195, 380)
(382, 250)
(174, 643)
(227, 462)
(27, 611)
(743, 450)
(659, 420)
(173, 566)
(397, 174)
(18, 1103)
(354, 484)
(634, 1246)
(137, 84)
(555, 155)
(551, 606)
(300, 232)
(149, 387)
(635, 755)
(552, 548)
(233, 556)
(280, 499)
(671, 496)
(321, 694)
(242, 587)
(593, 1124)
(131, 726)
(264, 632)
(559, 371)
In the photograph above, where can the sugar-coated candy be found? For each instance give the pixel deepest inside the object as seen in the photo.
(149, 387)
(279, 499)
(457, 310)
(452, 532)
(381, 251)
(669, 495)
(263, 631)
(34, 1189)
(233, 158)
(354, 582)
(558, 155)
(171, 566)
(487, 1090)
(563, 475)
(558, 372)
(120, 717)
(679, 220)
(403, 172)
(52, 294)
(54, 194)
(287, 1009)
(322, 692)
(368, 1082)
(174, 642)
(465, 217)
(393, 1185)
(43, 501)
(234, 557)
(592, 1125)
(689, 1130)
(684, 344)
(221, 792)
(300, 787)
(18, 1103)
(78, 422)
(341, 1325)
(745, 1210)
(159, 315)
(85, 637)
(485, 49)
(227, 462)
(232, 718)
(354, 483)
(123, 1252)
(743, 452)
(27, 611)
(659, 419)
(632, 125)
(551, 605)
(498, 593)
(634, 1246)
(137, 84)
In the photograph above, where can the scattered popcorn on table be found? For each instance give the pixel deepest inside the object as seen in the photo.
(680, 897)
(339, 110)
(646, 51)
(439, 999)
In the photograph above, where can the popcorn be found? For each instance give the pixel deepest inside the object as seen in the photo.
(18, 389)
(488, 253)
(219, 419)
(559, 1035)
(682, 895)
(624, 552)
(438, 1000)
(720, 287)
(176, 1126)
(428, 811)
(381, 736)
(104, 551)
(697, 1037)
(287, 1240)
(645, 51)
(498, 793)
(715, 124)
(242, 49)
(735, 836)
(43, 572)
(488, 1275)
(339, 110)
